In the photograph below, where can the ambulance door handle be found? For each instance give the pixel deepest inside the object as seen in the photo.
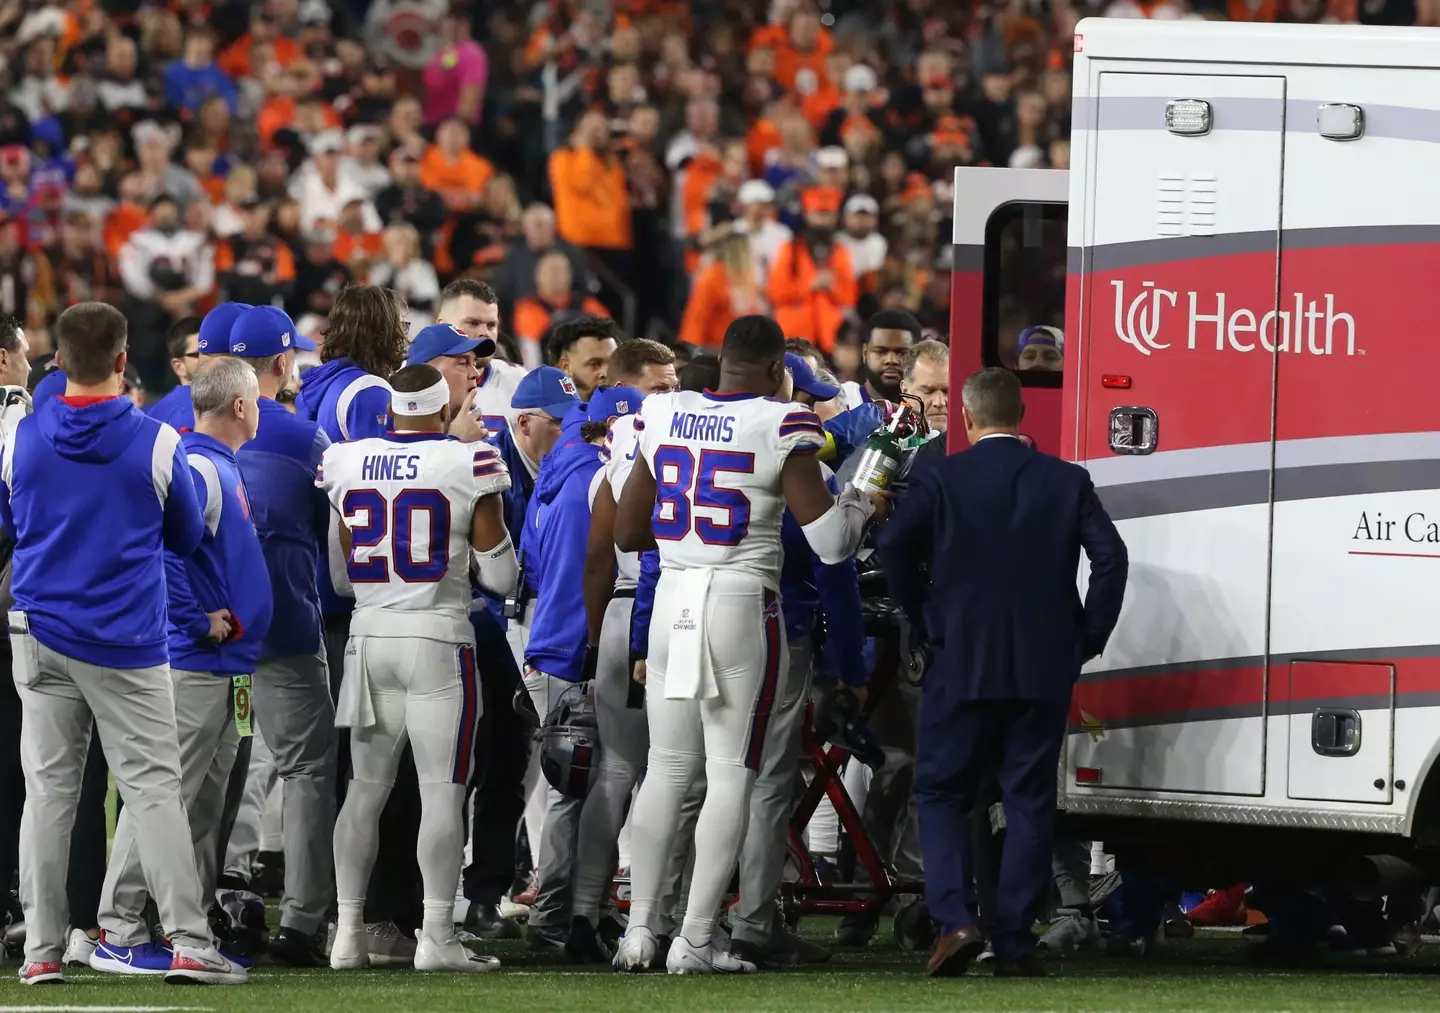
(1134, 430)
(1335, 731)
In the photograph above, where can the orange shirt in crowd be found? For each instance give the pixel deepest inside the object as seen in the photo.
(701, 172)
(820, 103)
(279, 112)
(238, 61)
(763, 136)
(712, 306)
(350, 246)
(805, 313)
(592, 205)
(284, 260)
(466, 174)
(125, 219)
(790, 61)
(532, 320)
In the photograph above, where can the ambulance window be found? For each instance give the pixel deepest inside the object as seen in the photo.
(1023, 316)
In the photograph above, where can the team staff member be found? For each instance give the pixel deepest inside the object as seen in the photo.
(291, 686)
(557, 652)
(888, 335)
(1001, 528)
(88, 634)
(183, 343)
(219, 605)
(348, 396)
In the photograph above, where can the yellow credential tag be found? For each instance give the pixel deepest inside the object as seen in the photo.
(241, 695)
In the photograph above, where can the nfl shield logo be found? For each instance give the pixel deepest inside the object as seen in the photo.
(413, 406)
(623, 407)
(567, 385)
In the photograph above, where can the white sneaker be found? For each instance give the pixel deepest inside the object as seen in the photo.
(349, 948)
(79, 949)
(687, 958)
(1069, 932)
(387, 945)
(637, 950)
(450, 955)
(204, 967)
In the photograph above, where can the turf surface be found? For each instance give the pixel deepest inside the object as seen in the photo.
(1204, 974)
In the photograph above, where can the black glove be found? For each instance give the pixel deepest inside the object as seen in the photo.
(592, 659)
(525, 707)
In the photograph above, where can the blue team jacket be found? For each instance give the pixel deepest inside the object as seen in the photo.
(349, 404)
(809, 590)
(517, 501)
(52, 384)
(292, 518)
(227, 571)
(174, 409)
(555, 552)
(93, 495)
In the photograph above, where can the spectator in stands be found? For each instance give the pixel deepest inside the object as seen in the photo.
(322, 191)
(727, 287)
(406, 199)
(516, 277)
(862, 237)
(73, 270)
(402, 269)
(194, 78)
(361, 161)
(159, 176)
(592, 203)
(456, 76)
(452, 170)
(255, 266)
(553, 300)
(119, 90)
(757, 221)
(812, 282)
(319, 277)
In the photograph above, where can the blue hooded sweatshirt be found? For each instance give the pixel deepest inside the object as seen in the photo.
(292, 518)
(227, 571)
(174, 409)
(349, 404)
(52, 384)
(555, 552)
(93, 494)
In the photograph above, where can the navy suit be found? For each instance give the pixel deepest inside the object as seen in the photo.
(999, 529)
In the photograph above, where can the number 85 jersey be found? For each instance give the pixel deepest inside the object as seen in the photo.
(409, 502)
(717, 460)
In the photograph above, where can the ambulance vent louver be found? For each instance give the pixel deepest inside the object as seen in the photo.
(1185, 203)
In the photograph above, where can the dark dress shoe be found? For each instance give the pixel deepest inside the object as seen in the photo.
(954, 952)
(1027, 968)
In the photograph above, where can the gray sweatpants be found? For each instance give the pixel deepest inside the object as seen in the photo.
(135, 714)
(762, 855)
(293, 706)
(205, 727)
(556, 852)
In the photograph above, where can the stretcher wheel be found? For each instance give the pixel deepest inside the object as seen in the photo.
(914, 928)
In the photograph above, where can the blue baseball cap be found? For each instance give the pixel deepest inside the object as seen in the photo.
(549, 389)
(1041, 334)
(266, 330)
(215, 328)
(806, 380)
(446, 339)
(612, 402)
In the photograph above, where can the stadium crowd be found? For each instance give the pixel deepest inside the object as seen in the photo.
(546, 203)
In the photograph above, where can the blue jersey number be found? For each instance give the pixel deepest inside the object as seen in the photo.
(682, 483)
(381, 519)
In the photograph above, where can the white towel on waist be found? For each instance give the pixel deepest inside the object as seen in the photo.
(355, 709)
(689, 674)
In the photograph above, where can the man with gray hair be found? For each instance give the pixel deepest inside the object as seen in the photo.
(926, 375)
(218, 604)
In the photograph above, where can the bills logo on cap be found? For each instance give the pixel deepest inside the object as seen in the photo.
(204, 345)
(238, 348)
(568, 385)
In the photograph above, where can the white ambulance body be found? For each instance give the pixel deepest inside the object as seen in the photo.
(1251, 314)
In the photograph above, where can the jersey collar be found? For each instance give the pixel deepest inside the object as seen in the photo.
(394, 437)
(737, 396)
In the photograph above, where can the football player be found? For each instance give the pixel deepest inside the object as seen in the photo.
(417, 509)
(713, 476)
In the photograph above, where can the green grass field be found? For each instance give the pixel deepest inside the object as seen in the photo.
(1209, 973)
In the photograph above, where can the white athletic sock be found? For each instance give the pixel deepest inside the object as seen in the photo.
(351, 915)
(653, 820)
(357, 837)
(718, 835)
(439, 852)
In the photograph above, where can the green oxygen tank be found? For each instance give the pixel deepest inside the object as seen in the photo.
(880, 456)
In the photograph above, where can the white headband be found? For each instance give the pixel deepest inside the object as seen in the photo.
(421, 402)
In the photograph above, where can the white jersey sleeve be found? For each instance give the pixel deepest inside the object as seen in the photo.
(717, 461)
(408, 501)
(620, 449)
(493, 395)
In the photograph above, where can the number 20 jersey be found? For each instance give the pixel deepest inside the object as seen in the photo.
(409, 502)
(717, 460)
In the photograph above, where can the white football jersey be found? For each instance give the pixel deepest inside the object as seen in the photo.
(492, 397)
(621, 446)
(717, 460)
(409, 501)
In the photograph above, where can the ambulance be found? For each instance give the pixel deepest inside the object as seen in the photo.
(1242, 271)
